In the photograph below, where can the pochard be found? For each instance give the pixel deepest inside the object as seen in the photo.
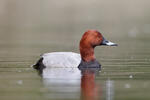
(86, 58)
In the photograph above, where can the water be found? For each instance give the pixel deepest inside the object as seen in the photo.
(26, 33)
(124, 75)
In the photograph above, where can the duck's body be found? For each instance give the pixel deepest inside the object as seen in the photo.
(61, 59)
(86, 58)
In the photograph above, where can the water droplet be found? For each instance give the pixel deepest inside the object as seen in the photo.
(131, 76)
(20, 82)
(19, 71)
(127, 86)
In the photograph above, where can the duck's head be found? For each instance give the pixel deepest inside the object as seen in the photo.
(89, 41)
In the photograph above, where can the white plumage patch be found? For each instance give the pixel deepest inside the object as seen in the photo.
(61, 59)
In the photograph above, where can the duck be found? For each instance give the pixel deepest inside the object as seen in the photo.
(86, 59)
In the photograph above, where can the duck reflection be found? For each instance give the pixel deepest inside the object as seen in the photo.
(89, 89)
(62, 84)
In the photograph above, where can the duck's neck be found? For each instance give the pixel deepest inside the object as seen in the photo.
(87, 53)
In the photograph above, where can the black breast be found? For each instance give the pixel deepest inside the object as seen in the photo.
(91, 64)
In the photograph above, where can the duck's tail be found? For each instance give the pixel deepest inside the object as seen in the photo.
(39, 65)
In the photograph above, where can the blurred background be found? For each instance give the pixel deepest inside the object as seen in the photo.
(29, 28)
(35, 22)
(31, 21)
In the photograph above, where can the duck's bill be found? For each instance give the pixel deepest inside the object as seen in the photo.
(111, 44)
(108, 43)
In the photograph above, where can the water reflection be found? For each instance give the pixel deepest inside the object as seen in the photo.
(71, 83)
(109, 90)
(62, 83)
(89, 89)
